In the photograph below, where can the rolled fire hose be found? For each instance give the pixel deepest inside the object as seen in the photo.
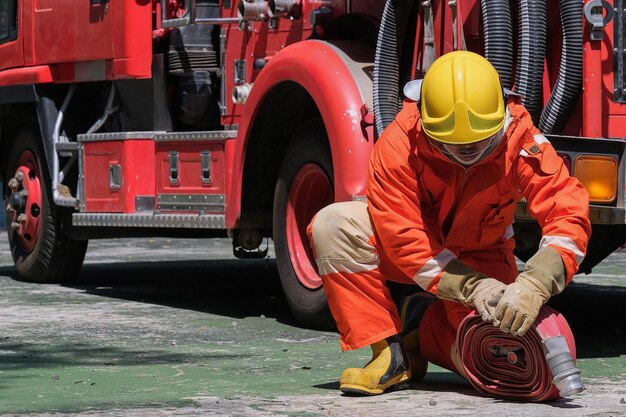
(539, 366)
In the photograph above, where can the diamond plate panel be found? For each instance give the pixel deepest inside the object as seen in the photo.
(99, 137)
(173, 221)
(192, 136)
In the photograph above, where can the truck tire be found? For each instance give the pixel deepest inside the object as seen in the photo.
(304, 186)
(41, 250)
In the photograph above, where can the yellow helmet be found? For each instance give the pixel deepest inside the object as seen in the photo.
(461, 99)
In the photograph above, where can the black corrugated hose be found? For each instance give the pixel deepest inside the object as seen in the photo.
(498, 32)
(531, 52)
(387, 97)
(532, 39)
(567, 88)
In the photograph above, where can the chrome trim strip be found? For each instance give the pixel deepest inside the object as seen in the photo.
(191, 202)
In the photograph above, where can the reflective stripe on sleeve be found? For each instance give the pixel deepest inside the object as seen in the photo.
(539, 139)
(333, 266)
(565, 243)
(508, 233)
(432, 268)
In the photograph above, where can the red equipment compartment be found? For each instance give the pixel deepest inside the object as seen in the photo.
(190, 174)
(118, 172)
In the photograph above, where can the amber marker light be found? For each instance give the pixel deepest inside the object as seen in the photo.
(599, 175)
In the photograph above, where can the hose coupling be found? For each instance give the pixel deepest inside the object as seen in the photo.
(252, 10)
(565, 375)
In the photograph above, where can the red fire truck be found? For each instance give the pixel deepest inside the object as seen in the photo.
(242, 118)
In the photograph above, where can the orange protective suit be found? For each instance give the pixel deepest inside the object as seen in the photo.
(426, 210)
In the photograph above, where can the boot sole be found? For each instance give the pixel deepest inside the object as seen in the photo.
(358, 390)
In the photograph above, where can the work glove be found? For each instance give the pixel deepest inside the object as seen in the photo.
(472, 288)
(543, 276)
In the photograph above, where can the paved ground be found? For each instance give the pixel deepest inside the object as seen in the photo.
(168, 327)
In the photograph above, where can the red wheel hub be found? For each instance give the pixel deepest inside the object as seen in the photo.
(24, 206)
(310, 191)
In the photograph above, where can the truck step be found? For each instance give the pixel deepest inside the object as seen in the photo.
(178, 221)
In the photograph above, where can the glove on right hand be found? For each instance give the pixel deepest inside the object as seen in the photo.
(543, 276)
(518, 308)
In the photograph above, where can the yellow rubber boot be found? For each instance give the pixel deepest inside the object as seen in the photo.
(387, 371)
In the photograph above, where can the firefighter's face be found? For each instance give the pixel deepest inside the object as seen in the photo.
(467, 153)
(471, 153)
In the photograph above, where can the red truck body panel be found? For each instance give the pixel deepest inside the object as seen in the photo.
(137, 174)
(80, 41)
(191, 180)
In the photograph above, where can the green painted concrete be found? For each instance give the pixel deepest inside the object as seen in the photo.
(105, 344)
(57, 361)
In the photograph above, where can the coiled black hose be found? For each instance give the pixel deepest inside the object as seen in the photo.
(387, 98)
(498, 33)
(531, 54)
(567, 88)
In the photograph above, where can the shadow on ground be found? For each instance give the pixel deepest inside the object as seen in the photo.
(37, 355)
(231, 288)
(596, 315)
(240, 289)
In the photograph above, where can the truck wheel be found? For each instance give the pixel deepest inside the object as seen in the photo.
(41, 251)
(304, 186)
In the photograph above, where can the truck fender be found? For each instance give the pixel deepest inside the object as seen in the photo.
(47, 112)
(337, 76)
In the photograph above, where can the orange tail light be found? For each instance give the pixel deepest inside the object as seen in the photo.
(599, 175)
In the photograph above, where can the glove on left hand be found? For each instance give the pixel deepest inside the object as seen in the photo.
(543, 276)
(472, 288)
(485, 297)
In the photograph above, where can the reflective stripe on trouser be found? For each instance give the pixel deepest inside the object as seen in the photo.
(354, 274)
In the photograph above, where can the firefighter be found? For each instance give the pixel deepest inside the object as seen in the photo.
(444, 180)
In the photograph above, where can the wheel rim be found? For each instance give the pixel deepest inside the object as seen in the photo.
(310, 191)
(25, 205)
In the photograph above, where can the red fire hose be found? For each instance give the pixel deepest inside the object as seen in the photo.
(512, 367)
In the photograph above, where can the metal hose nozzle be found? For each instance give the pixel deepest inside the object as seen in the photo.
(565, 375)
